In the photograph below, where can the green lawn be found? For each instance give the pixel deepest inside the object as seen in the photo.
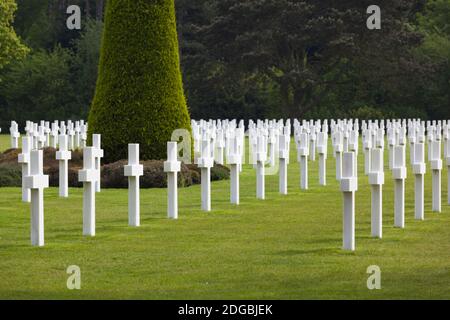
(286, 247)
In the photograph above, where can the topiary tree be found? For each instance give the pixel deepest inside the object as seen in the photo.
(139, 94)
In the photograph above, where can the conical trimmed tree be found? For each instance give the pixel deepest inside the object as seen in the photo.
(139, 94)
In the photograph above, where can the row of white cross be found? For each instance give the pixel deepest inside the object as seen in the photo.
(46, 134)
(269, 148)
(34, 182)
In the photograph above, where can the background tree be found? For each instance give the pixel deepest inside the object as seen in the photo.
(308, 49)
(139, 94)
(10, 46)
(401, 70)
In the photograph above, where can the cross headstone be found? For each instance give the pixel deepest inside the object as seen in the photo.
(322, 150)
(205, 163)
(283, 154)
(436, 168)
(71, 135)
(133, 171)
(419, 170)
(448, 168)
(338, 149)
(399, 175)
(37, 182)
(303, 153)
(98, 155)
(261, 157)
(83, 135)
(367, 146)
(15, 135)
(77, 135)
(312, 145)
(220, 146)
(376, 180)
(63, 156)
(88, 175)
(349, 186)
(54, 134)
(172, 166)
(234, 159)
(24, 160)
(272, 147)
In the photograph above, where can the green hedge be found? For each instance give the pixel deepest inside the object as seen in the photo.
(139, 95)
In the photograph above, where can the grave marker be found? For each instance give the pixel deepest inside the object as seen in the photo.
(98, 155)
(338, 149)
(283, 143)
(376, 180)
(322, 150)
(172, 166)
(88, 175)
(419, 170)
(349, 186)
(436, 167)
(234, 159)
(205, 163)
(24, 159)
(261, 157)
(448, 170)
(303, 153)
(399, 175)
(63, 156)
(133, 171)
(37, 182)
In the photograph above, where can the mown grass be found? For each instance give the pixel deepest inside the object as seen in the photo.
(286, 247)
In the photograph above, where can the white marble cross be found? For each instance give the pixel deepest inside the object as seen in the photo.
(133, 171)
(24, 160)
(303, 153)
(88, 175)
(399, 175)
(234, 160)
(15, 135)
(63, 156)
(283, 154)
(172, 166)
(338, 149)
(205, 162)
(436, 168)
(261, 157)
(98, 155)
(447, 158)
(322, 150)
(419, 170)
(37, 182)
(376, 180)
(349, 185)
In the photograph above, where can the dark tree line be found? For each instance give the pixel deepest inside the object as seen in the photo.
(251, 59)
(312, 59)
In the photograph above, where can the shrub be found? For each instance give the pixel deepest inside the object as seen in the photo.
(112, 174)
(10, 175)
(139, 94)
(218, 172)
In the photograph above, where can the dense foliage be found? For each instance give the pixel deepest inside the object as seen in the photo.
(56, 80)
(10, 46)
(139, 96)
(252, 59)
